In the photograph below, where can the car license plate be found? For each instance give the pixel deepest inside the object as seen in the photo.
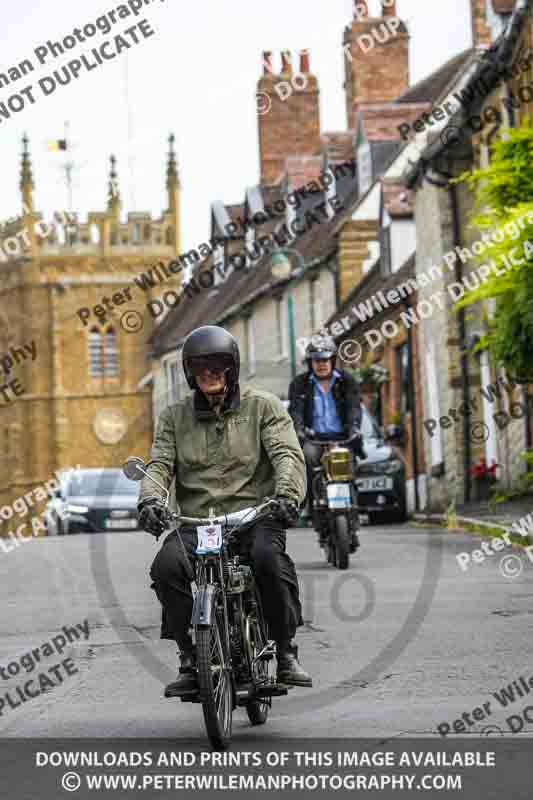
(121, 523)
(364, 519)
(209, 539)
(374, 484)
(339, 495)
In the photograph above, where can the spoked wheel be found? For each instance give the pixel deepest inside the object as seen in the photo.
(214, 677)
(257, 710)
(342, 542)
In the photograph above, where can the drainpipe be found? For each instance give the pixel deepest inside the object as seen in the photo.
(412, 401)
(465, 377)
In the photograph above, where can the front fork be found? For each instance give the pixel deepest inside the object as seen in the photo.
(210, 583)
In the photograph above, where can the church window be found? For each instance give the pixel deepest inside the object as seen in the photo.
(96, 361)
(103, 353)
(111, 353)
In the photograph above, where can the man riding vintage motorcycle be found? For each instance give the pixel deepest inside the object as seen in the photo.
(324, 405)
(227, 446)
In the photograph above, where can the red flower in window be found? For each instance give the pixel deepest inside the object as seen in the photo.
(482, 470)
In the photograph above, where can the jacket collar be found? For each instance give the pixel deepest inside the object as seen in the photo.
(203, 410)
(336, 375)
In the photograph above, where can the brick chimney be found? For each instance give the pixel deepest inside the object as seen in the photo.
(288, 113)
(376, 53)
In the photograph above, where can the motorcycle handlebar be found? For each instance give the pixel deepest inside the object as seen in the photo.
(234, 518)
(356, 440)
(338, 442)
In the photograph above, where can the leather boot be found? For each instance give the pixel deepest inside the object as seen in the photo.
(289, 670)
(355, 543)
(187, 681)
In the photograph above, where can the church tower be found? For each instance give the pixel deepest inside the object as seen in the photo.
(74, 324)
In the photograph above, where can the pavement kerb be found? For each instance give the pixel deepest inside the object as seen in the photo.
(470, 525)
(435, 519)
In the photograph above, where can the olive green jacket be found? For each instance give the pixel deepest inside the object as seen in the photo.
(228, 462)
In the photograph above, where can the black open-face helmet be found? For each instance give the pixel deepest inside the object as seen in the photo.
(207, 343)
(320, 346)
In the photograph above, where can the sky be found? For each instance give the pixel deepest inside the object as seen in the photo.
(196, 76)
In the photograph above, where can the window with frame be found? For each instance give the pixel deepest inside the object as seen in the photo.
(385, 249)
(402, 371)
(364, 167)
(312, 306)
(103, 353)
(219, 264)
(173, 383)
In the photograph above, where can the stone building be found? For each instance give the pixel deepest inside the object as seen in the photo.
(67, 294)
(496, 91)
(376, 323)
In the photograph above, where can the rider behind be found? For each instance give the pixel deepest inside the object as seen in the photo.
(228, 447)
(324, 404)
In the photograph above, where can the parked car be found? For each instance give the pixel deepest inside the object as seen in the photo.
(380, 478)
(91, 501)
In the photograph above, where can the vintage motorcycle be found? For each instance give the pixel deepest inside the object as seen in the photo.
(233, 651)
(335, 515)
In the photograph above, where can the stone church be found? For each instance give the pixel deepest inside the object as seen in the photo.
(74, 331)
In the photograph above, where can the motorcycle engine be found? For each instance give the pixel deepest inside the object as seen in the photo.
(236, 581)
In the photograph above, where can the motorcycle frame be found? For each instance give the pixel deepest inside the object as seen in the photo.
(209, 578)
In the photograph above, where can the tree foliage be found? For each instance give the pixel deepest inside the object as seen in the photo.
(504, 210)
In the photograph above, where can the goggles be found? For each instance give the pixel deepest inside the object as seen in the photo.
(216, 364)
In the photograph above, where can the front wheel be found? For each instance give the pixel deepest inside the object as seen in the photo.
(256, 641)
(342, 542)
(214, 677)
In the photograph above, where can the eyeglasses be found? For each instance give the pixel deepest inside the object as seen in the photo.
(215, 364)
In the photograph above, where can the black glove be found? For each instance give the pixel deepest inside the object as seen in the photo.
(305, 433)
(287, 511)
(356, 442)
(152, 517)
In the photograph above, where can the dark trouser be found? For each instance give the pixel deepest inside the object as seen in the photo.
(263, 546)
(312, 453)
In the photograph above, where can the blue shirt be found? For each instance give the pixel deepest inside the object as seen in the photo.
(325, 416)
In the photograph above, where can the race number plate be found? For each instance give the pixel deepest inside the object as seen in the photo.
(339, 495)
(209, 539)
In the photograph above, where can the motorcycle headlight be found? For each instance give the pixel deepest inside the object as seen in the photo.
(77, 509)
(339, 464)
